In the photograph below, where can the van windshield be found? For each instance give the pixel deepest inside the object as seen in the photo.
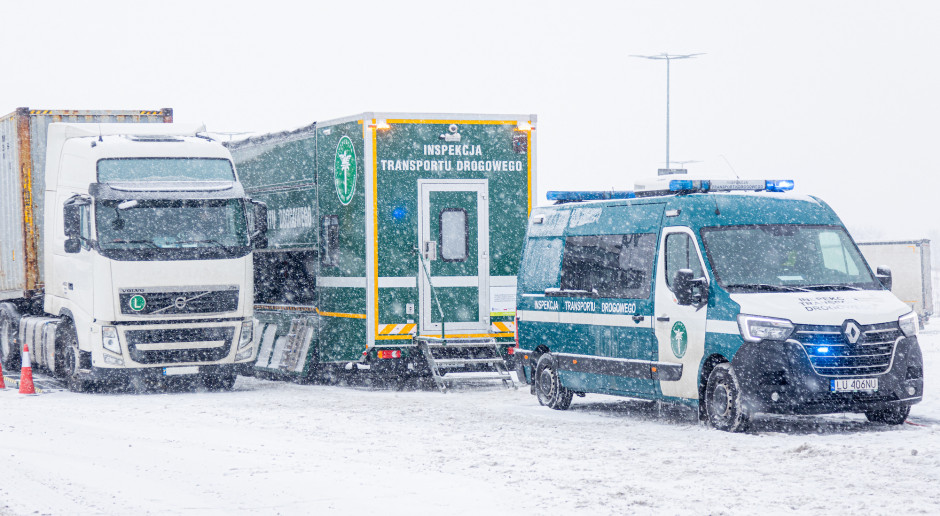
(786, 258)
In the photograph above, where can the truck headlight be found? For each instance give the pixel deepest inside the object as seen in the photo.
(755, 328)
(109, 339)
(244, 338)
(908, 324)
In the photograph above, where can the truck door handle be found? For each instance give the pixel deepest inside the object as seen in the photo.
(662, 318)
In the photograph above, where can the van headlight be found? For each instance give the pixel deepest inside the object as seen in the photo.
(109, 339)
(755, 328)
(908, 324)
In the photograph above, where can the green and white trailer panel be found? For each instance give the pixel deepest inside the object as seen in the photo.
(356, 203)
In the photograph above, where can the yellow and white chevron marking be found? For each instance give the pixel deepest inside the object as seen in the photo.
(503, 326)
(397, 329)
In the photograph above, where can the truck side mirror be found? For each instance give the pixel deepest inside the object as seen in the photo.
(73, 219)
(259, 234)
(73, 245)
(884, 276)
(690, 290)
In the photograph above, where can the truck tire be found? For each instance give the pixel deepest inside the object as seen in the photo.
(890, 416)
(219, 381)
(67, 342)
(9, 350)
(724, 407)
(548, 388)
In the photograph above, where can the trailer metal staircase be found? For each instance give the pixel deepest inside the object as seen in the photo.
(464, 360)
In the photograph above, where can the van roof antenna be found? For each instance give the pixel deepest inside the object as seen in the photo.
(735, 172)
(100, 139)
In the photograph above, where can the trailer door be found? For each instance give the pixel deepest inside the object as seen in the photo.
(453, 237)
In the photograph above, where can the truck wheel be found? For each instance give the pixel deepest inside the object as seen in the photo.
(219, 381)
(548, 387)
(723, 404)
(70, 360)
(9, 351)
(890, 416)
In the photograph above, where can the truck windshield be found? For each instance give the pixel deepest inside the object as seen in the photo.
(165, 169)
(786, 258)
(188, 226)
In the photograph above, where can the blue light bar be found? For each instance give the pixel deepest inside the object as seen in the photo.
(779, 185)
(689, 185)
(588, 195)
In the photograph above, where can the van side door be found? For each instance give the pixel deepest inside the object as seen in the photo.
(680, 328)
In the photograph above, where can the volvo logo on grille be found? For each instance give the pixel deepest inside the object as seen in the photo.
(851, 331)
(180, 303)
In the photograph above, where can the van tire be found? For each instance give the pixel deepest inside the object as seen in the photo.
(724, 406)
(890, 416)
(548, 387)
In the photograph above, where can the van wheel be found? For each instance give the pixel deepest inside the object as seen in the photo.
(890, 416)
(723, 404)
(548, 388)
(9, 352)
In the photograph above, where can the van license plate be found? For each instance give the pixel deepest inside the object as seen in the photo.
(854, 385)
(172, 371)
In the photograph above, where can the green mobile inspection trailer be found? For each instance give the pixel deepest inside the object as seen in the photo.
(394, 242)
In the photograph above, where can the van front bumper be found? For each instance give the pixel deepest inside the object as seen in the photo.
(777, 377)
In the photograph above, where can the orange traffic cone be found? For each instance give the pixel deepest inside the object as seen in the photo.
(26, 374)
(2, 384)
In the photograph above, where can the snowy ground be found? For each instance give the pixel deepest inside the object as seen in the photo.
(278, 448)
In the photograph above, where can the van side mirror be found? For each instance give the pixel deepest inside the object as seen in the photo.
(884, 276)
(259, 231)
(690, 290)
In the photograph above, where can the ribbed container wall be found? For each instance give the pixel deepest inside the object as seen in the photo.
(12, 257)
(15, 274)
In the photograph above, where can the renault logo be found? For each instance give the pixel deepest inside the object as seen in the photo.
(851, 331)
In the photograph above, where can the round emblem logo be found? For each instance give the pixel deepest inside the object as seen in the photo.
(137, 303)
(344, 169)
(679, 339)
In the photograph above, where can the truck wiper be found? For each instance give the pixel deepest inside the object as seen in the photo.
(831, 287)
(207, 241)
(767, 287)
(125, 241)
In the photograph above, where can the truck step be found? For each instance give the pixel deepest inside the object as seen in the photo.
(446, 358)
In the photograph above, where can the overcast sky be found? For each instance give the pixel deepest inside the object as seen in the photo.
(840, 96)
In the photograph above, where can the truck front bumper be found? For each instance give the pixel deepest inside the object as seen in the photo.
(778, 378)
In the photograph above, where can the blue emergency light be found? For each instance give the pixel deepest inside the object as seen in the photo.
(588, 195)
(730, 185)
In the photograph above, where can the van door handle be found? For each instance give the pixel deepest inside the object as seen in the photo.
(663, 318)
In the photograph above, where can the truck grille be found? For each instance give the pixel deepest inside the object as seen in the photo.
(831, 354)
(176, 303)
(174, 346)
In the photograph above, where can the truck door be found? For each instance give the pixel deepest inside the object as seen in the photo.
(453, 237)
(680, 329)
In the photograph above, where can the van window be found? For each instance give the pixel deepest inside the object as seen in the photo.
(834, 254)
(681, 253)
(541, 260)
(616, 266)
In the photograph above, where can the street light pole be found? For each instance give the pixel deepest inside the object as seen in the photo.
(667, 57)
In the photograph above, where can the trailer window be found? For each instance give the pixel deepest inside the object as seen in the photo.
(616, 266)
(454, 235)
(329, 241)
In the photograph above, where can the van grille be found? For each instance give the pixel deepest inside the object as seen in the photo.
(831, 354)
(185, 345)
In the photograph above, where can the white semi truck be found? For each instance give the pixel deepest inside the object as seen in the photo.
(125, 249)
(910, 265)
